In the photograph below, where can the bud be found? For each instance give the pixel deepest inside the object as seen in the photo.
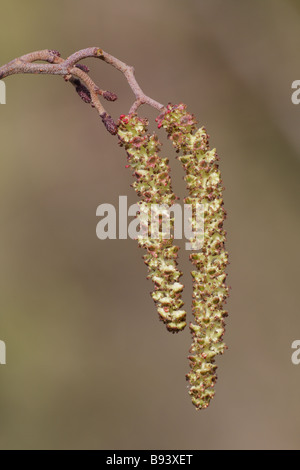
(83, 92)
(109, 96)
(109, 123)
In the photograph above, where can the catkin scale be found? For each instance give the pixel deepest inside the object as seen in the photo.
(153, 185)
(204, 184)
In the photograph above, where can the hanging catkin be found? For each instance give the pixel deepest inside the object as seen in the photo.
(209, 290)
(153, 185)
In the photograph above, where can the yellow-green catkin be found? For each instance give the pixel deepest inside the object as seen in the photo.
(209, 290)
(153, 186)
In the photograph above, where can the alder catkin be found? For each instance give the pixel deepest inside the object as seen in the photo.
(209, 290)
(153, 186)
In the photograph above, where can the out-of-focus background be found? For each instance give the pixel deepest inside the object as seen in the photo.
(89, 366)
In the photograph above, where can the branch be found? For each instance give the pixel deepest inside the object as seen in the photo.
(77, 75)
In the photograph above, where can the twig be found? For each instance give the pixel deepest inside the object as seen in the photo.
(78, 76)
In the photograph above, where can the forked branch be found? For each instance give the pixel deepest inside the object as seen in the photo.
(77, 75)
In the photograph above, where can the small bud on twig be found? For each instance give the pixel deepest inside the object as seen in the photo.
(83, 92)
(109, 96)
(109, 123)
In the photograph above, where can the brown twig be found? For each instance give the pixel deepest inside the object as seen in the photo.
(77, 75)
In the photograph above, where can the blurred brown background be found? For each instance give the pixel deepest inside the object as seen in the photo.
(88, 363)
